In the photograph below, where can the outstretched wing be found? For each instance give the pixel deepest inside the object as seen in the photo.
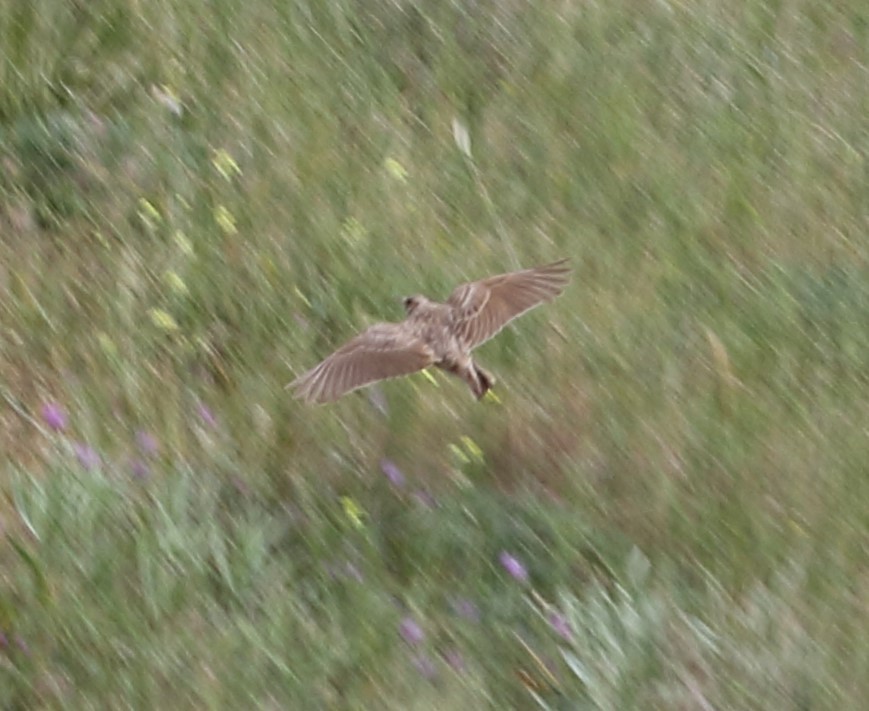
(482, 308)
(385, 350)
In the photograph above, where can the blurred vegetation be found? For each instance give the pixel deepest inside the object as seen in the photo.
(199, 200)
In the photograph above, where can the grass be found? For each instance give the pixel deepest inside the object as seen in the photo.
(198, 203)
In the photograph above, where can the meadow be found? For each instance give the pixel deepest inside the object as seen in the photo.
(666, 505)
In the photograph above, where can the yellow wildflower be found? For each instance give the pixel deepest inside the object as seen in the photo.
(352, 511)
(184, 243)
(472, 448)
(163, 320)
(149, 214)
(225, 220)
(176, 283)
(225, 164)
(395, 169)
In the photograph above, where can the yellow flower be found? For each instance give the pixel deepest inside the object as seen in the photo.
(184, 243)
(472, 448)
(352, 511)
(176, 283)
(163, 320)
(395, 169)
(225, 220)
(148, 214)
(225, 164)
(459, 454)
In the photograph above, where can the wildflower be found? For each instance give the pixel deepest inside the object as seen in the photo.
(139, 469)
(395, 169)
(392, 472)
(163, 320)
(411, 632)
(513, 566)
(54, 416)
(472, 447)
(352, 511)
(459, 454)
(225, 164)
(86, 455)
(560, 625)
(149, 214)
(184, 243)
(225, 220)
(176, 283)
(205, 414)
(147, 443)
(454, 659)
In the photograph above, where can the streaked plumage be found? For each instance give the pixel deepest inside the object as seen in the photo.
(440, 334)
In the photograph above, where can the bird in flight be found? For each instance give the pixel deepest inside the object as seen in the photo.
(433, 333)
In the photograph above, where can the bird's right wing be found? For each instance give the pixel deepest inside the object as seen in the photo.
(385, 350)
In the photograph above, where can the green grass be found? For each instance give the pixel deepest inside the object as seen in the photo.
(199, 201)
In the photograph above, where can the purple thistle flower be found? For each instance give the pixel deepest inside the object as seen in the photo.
(560, 625)
(513, 566)
(425, 666)
(466, 609)
(392, 472)
(54, 416)
(411, 632)
(147, 443)
(87, 456)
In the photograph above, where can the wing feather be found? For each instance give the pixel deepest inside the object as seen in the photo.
(385, 350)
(482, 308)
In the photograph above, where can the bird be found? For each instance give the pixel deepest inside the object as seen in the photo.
(434, 334)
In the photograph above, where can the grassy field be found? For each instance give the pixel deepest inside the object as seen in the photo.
(667, 505)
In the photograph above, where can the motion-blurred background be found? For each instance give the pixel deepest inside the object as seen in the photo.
(666, 505)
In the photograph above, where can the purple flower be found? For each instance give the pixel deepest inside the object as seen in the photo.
(87, 456)
(205, 414)
(140, 469)
(560, 625)
(425, 666)
(513, 566)
(454, 658)
(465, 609)
(411, 632)
(54, 416)
(147, 443)
(392, 472)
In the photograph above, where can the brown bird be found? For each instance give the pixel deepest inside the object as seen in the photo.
(436, 334)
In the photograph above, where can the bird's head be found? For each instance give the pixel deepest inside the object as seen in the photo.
(411, 303)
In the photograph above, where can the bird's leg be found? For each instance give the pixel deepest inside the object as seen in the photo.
(485, 379)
